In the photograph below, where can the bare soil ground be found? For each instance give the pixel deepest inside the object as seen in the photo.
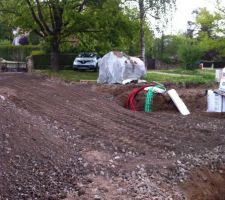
(76, 141)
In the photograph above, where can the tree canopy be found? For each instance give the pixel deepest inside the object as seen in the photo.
(104, 25)
(102, 22)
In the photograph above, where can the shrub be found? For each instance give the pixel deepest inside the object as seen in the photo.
(189, 53)
(37, 52)
(5, 42)
(18, 53)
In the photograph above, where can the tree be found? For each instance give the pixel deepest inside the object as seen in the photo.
(221, 12)
(207, 29)
(5, 32)
(118, 31)
(53, 20)
(205, 23)
(189, 53)
(150, 8)
(166, 48)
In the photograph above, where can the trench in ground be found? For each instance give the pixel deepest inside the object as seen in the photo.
(203, 183)
(194, 97)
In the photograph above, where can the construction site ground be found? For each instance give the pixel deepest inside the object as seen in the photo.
(76, 141)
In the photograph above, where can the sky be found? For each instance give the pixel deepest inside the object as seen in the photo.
(183, 13)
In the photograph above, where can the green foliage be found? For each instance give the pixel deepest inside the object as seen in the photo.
(91, 23)
(120, 31)
(18, 53)
(34, 39)
(207, 23)
(117, 33)
(5, 42)
(99, 26)
(37, 52)
(207, 28)
(5, 31)
(189, 53)
(166, 48)
(158, 9)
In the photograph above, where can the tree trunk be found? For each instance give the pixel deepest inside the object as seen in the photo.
(54, 59)
(162, 45)
(142, 32)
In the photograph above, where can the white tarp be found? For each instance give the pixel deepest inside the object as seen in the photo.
(114, 67)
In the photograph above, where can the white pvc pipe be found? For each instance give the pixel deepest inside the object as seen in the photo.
(178, 102)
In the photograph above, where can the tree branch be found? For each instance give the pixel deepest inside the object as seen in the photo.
(42, 20)
(38, 33)
(51, 16)
(36, 18)
(10, 11)
(82, 5)
(57, 16)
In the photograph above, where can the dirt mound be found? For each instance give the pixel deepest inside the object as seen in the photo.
(74, 141)
(37, 163)
(206, 184)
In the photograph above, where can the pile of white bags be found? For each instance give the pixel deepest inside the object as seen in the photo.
(115, 67)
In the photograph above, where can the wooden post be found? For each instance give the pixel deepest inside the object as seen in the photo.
(30, 64)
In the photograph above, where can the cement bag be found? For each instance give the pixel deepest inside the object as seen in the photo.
(115, 67)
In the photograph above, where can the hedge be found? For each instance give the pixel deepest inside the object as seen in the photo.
(17, 53)
(43, 61)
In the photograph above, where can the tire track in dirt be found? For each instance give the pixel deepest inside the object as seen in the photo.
(92, 121)
(139, 128)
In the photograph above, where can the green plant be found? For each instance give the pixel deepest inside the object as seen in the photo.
(18, 53)
(5, 42)
(37, 52)
(189, 53)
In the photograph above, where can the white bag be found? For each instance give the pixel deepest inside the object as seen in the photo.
(214, 101)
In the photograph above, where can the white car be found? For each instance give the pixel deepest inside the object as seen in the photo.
(86, 61)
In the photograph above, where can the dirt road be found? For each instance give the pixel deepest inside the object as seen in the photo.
(74, 141)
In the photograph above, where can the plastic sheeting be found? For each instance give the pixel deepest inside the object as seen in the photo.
(115, 67)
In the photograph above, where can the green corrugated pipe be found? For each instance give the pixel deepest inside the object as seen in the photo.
(149, 98)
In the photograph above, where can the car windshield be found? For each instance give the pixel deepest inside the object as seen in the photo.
(87, 55)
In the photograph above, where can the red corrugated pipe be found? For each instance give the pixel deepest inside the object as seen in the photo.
(131, 102)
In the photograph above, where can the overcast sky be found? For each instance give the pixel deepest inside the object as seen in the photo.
(184, 10)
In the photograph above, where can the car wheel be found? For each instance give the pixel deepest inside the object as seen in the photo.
(96, 68)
